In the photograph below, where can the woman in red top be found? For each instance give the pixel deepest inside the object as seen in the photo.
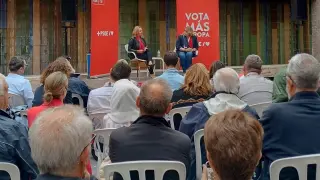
(138, 45)
(55, 90)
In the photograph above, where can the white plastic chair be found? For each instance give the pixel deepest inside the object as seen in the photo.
(159, 167)
(81, 103)
(136, 61)
(103, 135)
(12, 170)
(197, 144)
(261, 107)
(300, 163)
(183, 111)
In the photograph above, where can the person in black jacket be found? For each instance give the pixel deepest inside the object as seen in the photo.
(187, 47)
(150, 136)
(14, 144)
(138, 45)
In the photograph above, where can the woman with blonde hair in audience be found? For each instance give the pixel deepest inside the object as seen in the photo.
(60, 64)
(55, 90)
(196, 88)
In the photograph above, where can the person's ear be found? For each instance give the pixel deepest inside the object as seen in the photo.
(138, 102)
(169, 108)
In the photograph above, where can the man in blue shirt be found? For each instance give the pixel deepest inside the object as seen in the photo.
(18, 85)
(171, 75)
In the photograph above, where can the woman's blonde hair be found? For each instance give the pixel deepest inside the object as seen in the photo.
(196, 81)
(55, 86)
(188, 31)
(4, 96)
(136, 31)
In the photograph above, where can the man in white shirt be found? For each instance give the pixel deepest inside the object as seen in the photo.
(18, 85)
(254, 88)
(99, 99)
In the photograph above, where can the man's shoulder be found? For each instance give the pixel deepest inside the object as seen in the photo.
(120, 133)
(104, 90)
(10, 126)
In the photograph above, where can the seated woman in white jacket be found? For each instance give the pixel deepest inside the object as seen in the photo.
(123, 105)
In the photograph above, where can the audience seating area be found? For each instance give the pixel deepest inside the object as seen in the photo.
(126, 118)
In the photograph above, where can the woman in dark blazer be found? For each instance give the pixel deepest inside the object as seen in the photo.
(187, 46)
(138, 45)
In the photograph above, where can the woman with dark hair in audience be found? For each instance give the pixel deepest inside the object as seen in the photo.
(215, 67)
(196, 88)
(138, 45)
(60, 64)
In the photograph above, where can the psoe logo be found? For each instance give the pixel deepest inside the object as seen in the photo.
(98, 2)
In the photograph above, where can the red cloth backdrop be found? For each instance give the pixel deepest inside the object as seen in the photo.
(203, 17)
(104, 35)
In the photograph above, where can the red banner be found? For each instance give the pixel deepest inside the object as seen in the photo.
(203, 17)
(104, 35)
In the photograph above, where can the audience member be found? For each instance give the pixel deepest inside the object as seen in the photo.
(99, 101)
(292, 128)
(55, 90)
(123, 98)
(14, 145)
(60, 64)
(196, 87)
(215, 67)
(76, 85)
(60, 141)
(254, 88)
(226, 84)
(233, 142)
(279, 87)
(18, 85)
(150, 136)
(171, 75)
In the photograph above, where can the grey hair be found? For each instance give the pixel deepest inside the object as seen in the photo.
(304, 70)
(253, 63)
(57, 138)
(155, 96)
(227, 80)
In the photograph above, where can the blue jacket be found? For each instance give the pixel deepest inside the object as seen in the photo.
(182, 42)
(14, 148)
(291, 129)
(197, 118)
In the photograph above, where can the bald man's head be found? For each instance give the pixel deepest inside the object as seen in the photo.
(4, 96)
(155, 97)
